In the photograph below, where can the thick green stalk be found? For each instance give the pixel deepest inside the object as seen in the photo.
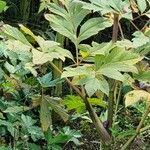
(58, 89)
(111, 95)
(60, 39)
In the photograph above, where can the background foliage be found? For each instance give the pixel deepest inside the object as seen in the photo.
(74, 74)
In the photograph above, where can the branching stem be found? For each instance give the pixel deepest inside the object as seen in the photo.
(104, 135)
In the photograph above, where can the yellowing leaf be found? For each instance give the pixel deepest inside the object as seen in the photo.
(27, 31)
(136, 96)
(134, 6)
(15, 34)
(97, 102)
(36, 100)
(84, 54)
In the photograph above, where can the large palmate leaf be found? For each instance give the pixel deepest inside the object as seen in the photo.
(111, 62)
(66, 21)
(112, 6)
(18, 48)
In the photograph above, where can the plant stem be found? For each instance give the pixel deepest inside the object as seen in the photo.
(77, 54)
(111, 95)
(104, 135)
(138, 129)
(115, 28)
(117, 104)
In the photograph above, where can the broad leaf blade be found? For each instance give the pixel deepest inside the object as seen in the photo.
(57, 107)
(45, 115)
(92, 27)
(15, 33)
(142, 4)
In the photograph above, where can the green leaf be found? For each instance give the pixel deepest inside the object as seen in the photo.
(147, 13)
(74, 103)
(29, 66)
(27, 120)
(57, 107)
(18, 50)
(111, 73)
(60, 138)
(97, 102)
(101, 85)
(78, 71)
(9, 126)
(143, 76)
(10, 67)
(56, 9)
(113, 6)
(66, 21)
(34, 131)
(15, 34)
(56, 147)
(46, 80)
(2, 5)
(2, 116)
(139, 39)
(92, 27)
(27, 31)
(46, 45)
(50, 51)
(16, 109)
(45, 115)
(62, 26)
(121, 60)
(142, 5)
(40, 58)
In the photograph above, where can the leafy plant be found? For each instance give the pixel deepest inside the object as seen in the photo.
(36, 64)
